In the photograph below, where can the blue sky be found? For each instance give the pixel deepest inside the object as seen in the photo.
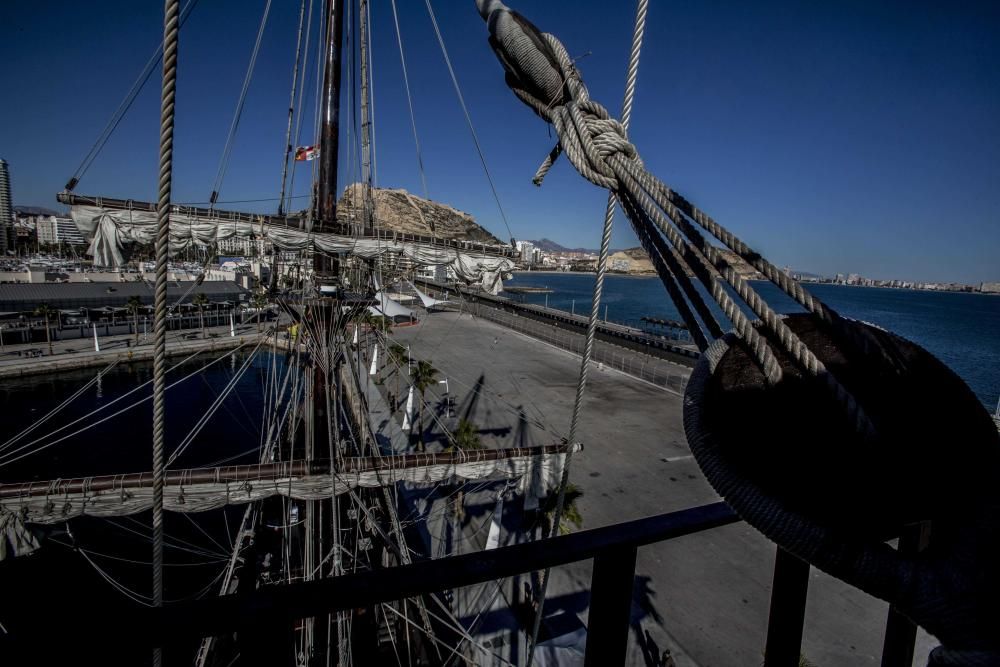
(850, 136)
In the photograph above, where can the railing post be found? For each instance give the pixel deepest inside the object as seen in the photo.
(788, 610)
(610, 607)
(900, 631)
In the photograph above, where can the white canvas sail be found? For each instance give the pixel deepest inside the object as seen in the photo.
(109, 229)
(408, 411)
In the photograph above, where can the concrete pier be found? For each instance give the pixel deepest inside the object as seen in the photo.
(23, 360)
(704, 597)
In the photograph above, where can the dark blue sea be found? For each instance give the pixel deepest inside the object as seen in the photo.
(961, 329)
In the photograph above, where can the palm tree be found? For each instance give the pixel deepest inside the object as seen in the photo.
(134, 304)
(465, 437)
(570, 513)
(43, 310)
(201, 301)
(424, 375)
(397, 357)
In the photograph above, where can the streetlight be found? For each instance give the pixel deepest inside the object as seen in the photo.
(447, 395)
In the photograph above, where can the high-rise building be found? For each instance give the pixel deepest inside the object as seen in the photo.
(53, 230)
(527, 252)
(6, 210)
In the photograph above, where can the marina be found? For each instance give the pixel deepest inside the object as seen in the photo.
(371, 421)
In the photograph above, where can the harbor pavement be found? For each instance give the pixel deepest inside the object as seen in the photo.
(704, 597)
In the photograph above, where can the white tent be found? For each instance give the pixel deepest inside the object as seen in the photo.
(389, 308)
(429, 301)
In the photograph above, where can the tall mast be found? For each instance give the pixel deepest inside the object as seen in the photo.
(330, 115)
(366, 155)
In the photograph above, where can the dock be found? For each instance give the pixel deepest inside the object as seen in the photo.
(704, 597)
(527, 290)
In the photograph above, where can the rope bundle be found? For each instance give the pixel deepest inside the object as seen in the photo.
(542, 75)
(837, 509)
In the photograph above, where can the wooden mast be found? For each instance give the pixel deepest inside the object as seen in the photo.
(330, 118)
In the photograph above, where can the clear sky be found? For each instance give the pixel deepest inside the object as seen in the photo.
(833, 137)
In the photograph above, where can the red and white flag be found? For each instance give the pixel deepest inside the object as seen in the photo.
(304, 153)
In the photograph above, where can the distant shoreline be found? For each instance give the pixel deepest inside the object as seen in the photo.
(585, 273)
(762, 280)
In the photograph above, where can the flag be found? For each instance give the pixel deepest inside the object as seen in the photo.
(304, 153)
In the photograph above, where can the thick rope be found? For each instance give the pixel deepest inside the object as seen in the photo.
(598, 147)
(595, 306)
(170, 44)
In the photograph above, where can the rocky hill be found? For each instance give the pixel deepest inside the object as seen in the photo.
(635, 260)
(404, 212)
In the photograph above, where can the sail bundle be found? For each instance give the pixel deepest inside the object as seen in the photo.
(110, 229)
(535, 469)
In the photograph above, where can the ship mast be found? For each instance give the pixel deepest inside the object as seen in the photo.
(330, 114)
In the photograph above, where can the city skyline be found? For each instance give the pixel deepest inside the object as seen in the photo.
(849, 139)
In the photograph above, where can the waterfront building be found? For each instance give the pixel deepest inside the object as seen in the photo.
(527, 252)
(990, 288)
(25, 297)
(54, 230)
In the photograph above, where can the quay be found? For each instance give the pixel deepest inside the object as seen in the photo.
(33, 359)
(528, 290)
(684, 353)
(705, 598)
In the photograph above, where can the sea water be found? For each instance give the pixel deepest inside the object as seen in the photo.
(962, 329)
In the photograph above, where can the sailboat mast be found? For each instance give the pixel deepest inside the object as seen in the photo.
(330, 115)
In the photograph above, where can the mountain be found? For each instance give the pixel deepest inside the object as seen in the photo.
(35, 210)
(547, 245)
(404, 212)
(635, 260)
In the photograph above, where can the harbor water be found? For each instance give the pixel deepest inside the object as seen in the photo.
(961, 329)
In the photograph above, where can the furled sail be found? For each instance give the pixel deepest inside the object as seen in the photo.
(109, 229)
(535, 469)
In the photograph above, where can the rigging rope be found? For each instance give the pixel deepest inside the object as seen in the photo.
(541, 74)
(238, 114)
(171, 29)
(409, 99)
(125, 105)
(595, 306)
(468, 118)
(291, 104)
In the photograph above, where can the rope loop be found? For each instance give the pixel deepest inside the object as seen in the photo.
(541, 74)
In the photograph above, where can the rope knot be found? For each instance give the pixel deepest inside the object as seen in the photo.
(527, 56)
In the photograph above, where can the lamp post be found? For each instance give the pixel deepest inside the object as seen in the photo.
(447, 395)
